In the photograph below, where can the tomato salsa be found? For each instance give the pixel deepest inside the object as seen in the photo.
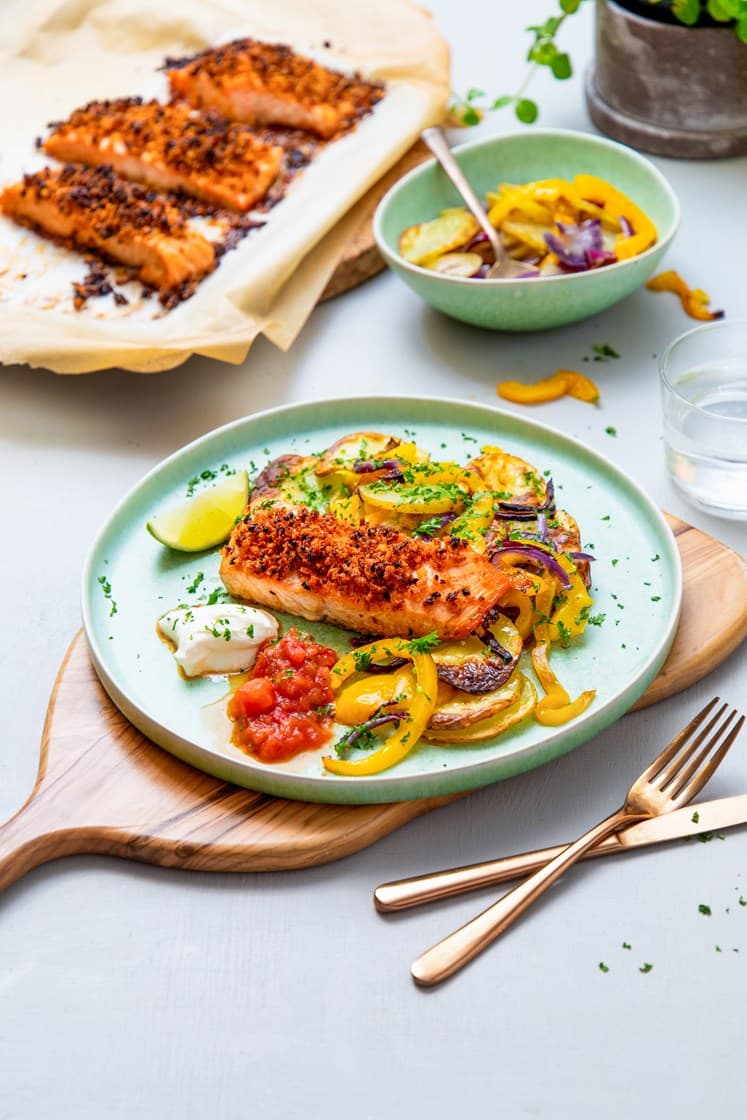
(285, 706)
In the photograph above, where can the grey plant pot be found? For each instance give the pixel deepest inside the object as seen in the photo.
(671, 90)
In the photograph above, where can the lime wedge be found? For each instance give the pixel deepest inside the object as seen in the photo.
(206, 520)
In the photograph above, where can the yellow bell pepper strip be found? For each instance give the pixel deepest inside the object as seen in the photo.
(566, 382)
(569, 620)
(523, 603)
(473, 524)
(359, 700)
(556, 707)
(548, 389)
(418, 711)
(618, 204)
(694, 300)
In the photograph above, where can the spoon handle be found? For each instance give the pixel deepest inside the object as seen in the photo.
(436, 141)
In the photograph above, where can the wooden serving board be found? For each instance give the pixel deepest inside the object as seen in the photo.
(102, 787)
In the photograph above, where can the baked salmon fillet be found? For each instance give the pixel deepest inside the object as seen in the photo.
(92, 208)
(366, 578)
(172, 148)
(268, 83)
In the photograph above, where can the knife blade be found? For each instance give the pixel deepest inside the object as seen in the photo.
(691, 821)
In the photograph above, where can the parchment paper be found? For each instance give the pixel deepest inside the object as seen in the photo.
(57, 55)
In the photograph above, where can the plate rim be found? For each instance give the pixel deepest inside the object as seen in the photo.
(387, 787)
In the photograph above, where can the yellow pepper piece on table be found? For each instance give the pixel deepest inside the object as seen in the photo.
(418, 711)
(694, 300)
(566, 382)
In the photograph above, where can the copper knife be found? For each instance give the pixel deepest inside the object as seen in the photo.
(692, 821)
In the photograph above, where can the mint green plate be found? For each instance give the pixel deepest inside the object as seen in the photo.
(540, 302)
(637, 586)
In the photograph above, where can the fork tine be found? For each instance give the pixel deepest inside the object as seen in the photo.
(696, 783)
(670, 751)
(674, 769)
(678, 780)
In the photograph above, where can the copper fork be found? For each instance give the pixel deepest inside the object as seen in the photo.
(674, 777)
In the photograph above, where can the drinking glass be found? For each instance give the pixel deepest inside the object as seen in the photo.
(704, 401)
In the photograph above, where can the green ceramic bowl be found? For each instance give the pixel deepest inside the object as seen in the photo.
(540, 302)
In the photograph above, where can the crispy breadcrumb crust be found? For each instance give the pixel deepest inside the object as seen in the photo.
(369, 564)
(201, 148)
(275, 69)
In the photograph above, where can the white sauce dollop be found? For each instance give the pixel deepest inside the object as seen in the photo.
(223, 638)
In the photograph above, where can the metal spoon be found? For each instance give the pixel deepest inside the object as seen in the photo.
(505, 267)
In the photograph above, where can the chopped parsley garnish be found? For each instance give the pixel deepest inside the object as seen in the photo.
(655, 558)
(603, 967)
(626, 945)
(424, 644)
(192, 588)
(106, 587)
(565, 634)
(695, 818)
(430, 527)
(250, 630)
(645, 967)
(362, 659)
(703, 909)
(655, 598)
(219, 595)
(604, 352)
(611, 431)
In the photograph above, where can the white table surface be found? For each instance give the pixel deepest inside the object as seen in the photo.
(129, 991)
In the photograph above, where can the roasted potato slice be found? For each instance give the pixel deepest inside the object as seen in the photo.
(349, 449)
(522, 706)
(451, 230)
(462, 709)
(511, 475)
(275, 481)
(471, 667)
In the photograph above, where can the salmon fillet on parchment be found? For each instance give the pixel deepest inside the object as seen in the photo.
(92, 208)
(268, 83)
(172, 148)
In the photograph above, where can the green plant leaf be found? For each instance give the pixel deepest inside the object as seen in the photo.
(502, 102)
(526, 111)
(543, 52)
(742, 28)
(473, 94)
(570, 6)
(470, 116)
(561, 66)
(687, 11)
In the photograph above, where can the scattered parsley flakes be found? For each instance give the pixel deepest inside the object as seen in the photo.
(596, 619)
(742, 901)
(106, 587)
(718, 948)
(192, 588)
(646, 967)
(625, 945)
(655, 598)
(655, 558)
(611, 431)
(603, 967)
(606, 517)
(424, 644)
(604, 352)
(615, 563)
(703, 909)
(695, 818)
